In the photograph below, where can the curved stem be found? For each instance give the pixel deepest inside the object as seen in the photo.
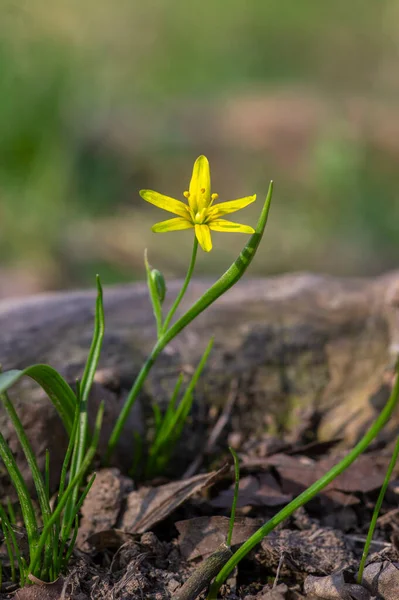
(376, 511)
(309, 493)
(176, 303)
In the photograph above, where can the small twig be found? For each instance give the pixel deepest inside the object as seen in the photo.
(280, 564)
(216, 431)
(361, 539)
(203, 576)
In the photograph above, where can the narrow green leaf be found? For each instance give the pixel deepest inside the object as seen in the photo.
(96, 344)
(171, 427)
(55, 386)
(25, 501)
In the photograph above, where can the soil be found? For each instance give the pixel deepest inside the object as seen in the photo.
(144, 540)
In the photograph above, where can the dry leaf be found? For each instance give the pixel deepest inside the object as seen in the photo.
(201, 536)
(259, 490)
(364, 475)
(382, 579)
(103, 504)
(338, 586)
(111, 539)
(148, 506)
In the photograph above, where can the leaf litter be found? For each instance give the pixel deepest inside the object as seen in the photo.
(146, 541)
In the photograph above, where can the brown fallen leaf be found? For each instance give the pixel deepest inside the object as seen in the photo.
(201, 536)
(147, 506)
(110, 539)
(259, 490)
(103, 504)
(382, 579)
(296, 473)
(339, 586)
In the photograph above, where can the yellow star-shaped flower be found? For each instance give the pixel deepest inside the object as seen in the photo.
(200, 213)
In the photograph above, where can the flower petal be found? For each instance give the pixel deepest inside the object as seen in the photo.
(169, 204)
(223, 225)
(200, 185)
(172, 225)
(204, 237)
(224, 208)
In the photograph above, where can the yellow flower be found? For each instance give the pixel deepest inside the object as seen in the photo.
(200, 213)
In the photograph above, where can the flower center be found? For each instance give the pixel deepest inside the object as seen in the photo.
(199, 217)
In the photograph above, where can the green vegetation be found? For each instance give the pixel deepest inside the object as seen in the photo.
(97, 103)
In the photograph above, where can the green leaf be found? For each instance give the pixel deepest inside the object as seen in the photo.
(55, 386)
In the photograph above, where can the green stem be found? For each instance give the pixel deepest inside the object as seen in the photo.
(224, 283)
(309, 493)
(134, 392)
(376, 512)
(176, 303)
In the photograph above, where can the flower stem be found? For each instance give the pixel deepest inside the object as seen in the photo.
(176, 303)
(224, 283)
(376, 512)
(134, 392)
(309, 493)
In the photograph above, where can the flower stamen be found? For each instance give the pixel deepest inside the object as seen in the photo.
(186, 195)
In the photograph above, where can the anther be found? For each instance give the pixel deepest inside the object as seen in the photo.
(186, 195)
(215, 196)
(203, 190)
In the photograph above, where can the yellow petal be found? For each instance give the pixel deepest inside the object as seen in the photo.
(169, 204)
(172, 225)
(224, 208)
(200, 185)
(223, 225)
(204, 237)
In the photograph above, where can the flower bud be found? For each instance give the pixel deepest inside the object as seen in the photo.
(160, 284)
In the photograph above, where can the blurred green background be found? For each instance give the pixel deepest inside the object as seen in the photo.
(100, 99)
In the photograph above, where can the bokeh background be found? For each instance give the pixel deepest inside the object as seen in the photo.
(99, 99)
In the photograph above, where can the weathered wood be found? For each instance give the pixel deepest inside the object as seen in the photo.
(294, 342)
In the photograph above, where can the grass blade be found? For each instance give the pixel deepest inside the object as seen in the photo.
(55, 386)
(174, 420)
(25, 501)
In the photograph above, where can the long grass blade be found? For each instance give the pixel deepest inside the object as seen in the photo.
(55, 386)
(173, 423)
(25, 501)
(87, 382)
